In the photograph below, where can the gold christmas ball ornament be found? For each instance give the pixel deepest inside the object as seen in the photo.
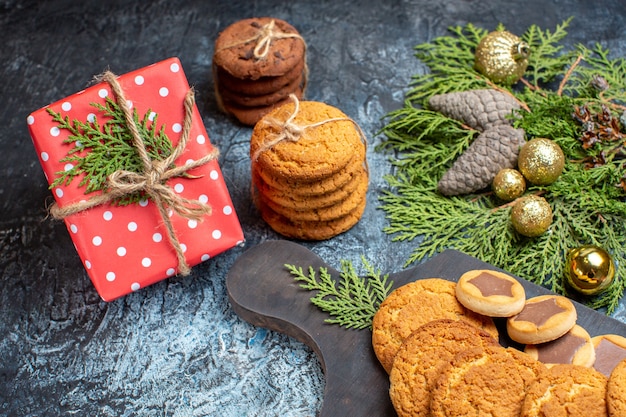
(589, 269)
(508, 184)
(541, 161)
(502, 57)
(531, 215)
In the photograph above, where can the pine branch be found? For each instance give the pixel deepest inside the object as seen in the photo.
(98, 150)
(352, 301)
(588, 200)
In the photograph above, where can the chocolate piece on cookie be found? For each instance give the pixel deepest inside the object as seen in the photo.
(610, 350)
(574, 347)
(491, 293)
(543, 318)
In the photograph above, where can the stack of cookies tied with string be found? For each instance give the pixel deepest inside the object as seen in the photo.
(257, 64)
(309, 170)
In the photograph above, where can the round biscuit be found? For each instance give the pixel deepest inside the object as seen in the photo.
(574, 347)
(412, 305)
(422, 356)
(491, 293)
(543, 318)
(488, 381)
(328, 140)
(567, 390)
(615, 391)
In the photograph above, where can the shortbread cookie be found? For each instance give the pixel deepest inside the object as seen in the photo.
(324, 214)
(422, 356)
(567, 391)
(574, 347)
(413, 305)
(318, 186)
(610, 350)
(488, 381)
(327, 141)
(616, 391)
(303, 230)
(491, 293)
(235, 47)
(290, 198)
(543, 318)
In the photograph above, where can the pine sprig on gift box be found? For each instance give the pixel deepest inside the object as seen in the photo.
(351, 301)
(98, 150)
(588, 199)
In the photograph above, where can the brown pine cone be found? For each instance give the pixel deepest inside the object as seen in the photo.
(479, 109)
(494, 149)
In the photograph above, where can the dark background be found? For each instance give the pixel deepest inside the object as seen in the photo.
(177, 348)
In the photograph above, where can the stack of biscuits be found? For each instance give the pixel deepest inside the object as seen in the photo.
(441, 346)
(309, 170)
(257, 64)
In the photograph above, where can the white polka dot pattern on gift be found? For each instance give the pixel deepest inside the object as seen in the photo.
(126, 248)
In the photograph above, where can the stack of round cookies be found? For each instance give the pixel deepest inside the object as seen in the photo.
(257, 64)
(309, 170)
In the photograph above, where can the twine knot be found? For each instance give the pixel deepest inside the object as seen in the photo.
(151, 180)
(291, 131)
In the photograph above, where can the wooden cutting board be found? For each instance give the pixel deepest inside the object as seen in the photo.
(264, 293)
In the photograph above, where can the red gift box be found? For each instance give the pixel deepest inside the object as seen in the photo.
(126, 247)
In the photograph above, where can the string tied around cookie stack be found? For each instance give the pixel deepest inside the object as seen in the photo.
(151, 180)
(264, 37)
(290, 131)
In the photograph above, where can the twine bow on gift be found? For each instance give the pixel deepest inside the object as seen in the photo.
(151, 180)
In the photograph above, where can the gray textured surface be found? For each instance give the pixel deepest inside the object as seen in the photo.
(177, 348)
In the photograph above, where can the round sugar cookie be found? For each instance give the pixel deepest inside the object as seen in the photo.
(543, 318)
(326, 142)
(610, 350)
(413, 305)
(567, 391)
(310, 230)
(318, 187)
(574, 347)
(328, 213)
(421, 357)
(234, 48)
(290, 199)
(616, 391)
(490, 381)
(491, 293)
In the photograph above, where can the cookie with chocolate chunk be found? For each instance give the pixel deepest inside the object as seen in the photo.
(543, 318)
(257, 64)
(250, 49)
(491, 293)
(574, 347)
